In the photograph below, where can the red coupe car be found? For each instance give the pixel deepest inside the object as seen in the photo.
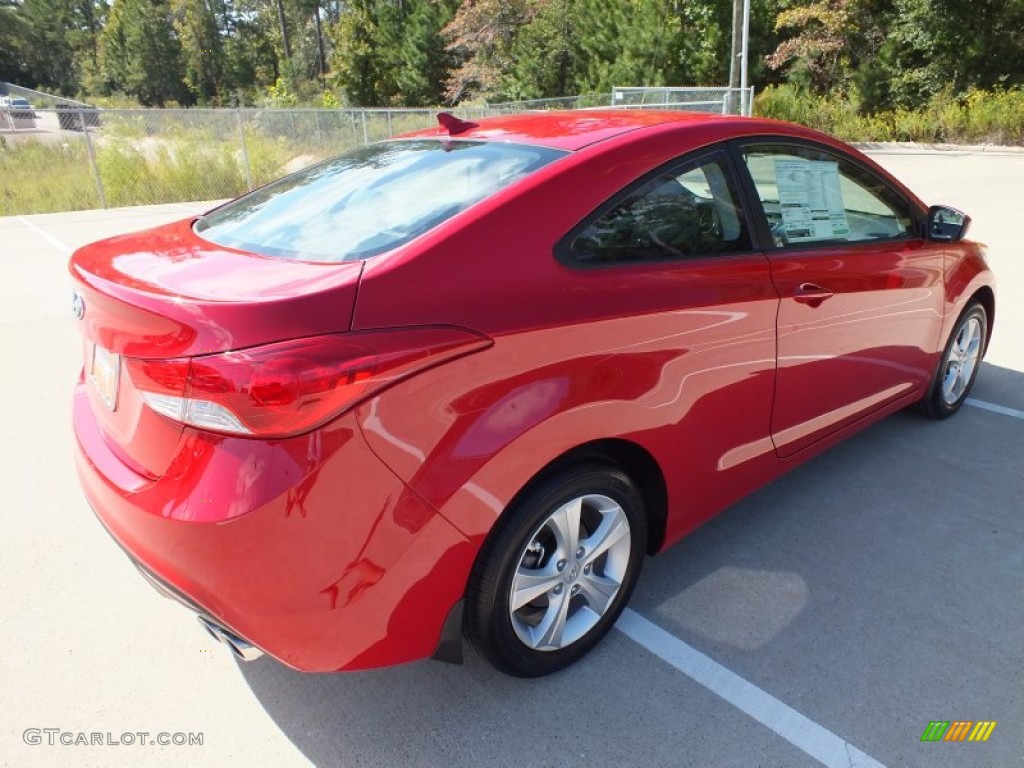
(464, 381)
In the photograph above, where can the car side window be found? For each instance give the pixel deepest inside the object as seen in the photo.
(813, 196)
(691, 211)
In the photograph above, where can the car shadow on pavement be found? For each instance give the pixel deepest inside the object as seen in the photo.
(821, 588)
(429, 713)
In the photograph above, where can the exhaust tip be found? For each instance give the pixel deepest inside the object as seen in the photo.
(240, 648)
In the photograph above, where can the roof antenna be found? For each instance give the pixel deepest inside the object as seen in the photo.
(454, 125)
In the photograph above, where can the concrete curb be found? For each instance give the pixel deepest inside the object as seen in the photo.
(914, 147)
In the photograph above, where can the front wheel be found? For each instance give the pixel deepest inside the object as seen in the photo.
(557, 570)
(959, 364)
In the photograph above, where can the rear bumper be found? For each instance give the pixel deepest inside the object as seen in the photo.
(240, 647)
(309, 548)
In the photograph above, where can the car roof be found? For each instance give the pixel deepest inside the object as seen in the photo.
(571, 130)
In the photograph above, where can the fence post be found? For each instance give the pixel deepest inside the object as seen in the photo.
(245, 150)
(391, 131)
(92, 157)
(366, 137)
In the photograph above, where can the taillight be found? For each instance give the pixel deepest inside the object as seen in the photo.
(291, 387)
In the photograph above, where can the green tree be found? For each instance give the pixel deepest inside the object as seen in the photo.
(543, 54)
(630, 42)
(392, 52)
(252, 45)
(536, 48)
(356, 59)
(835, 45)
(202, 49)
(140, 53)
(12, 67)
(936, 44)
(46, 53)
(423, 61)
(87, 20)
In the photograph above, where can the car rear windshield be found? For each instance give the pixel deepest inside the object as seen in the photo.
(369, 200)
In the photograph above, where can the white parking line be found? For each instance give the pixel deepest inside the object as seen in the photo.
(800, 731)
(994, 408)
(65, 249)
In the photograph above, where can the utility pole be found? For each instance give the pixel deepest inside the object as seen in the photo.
(737, 44)
(744, 94)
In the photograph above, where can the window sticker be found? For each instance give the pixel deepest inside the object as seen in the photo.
(811, 200)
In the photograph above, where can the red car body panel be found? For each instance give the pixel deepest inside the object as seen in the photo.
(294, 543)
(836, 358)
(348, 547)
(564, 130)
(166, 292)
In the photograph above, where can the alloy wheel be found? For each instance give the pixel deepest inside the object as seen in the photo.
(961, 360)
(570, 572)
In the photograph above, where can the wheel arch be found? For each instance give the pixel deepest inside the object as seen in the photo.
(987, 298)
(633, 459)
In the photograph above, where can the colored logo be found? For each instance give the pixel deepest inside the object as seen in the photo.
(958, 730)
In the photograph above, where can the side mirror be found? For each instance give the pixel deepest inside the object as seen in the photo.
(947, 224)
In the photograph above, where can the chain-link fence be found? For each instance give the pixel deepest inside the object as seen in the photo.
(583, 101)
(72, 156)
(726, 101)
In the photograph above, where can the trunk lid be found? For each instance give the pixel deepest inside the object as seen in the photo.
(166, 293)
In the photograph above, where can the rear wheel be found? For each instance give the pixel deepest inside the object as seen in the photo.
(959, 364)
(557, 570)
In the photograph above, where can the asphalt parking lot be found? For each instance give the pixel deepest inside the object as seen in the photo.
(824, 620)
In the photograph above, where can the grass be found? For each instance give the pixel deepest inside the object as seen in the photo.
(155, 156)
(37, 177)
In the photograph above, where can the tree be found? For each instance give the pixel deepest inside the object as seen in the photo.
(12, 67)
(202, 50)
(936, 44)
(392, 52)
(423, 60)
(630, 43)
(356, 59)
(480, 39)
(886, 53)
(44, 49)
(140, 53)
(87, 18)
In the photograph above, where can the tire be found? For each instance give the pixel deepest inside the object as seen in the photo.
(958, 366)
(566, 600)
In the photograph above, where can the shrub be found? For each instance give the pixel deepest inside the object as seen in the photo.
(995, 117)
(165, 171)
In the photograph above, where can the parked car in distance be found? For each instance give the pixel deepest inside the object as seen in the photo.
(464, 381)
(17, 112)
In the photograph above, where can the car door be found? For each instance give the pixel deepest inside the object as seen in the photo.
(861, 289)
(674, 253)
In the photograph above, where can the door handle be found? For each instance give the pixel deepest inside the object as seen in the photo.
(812, 294)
